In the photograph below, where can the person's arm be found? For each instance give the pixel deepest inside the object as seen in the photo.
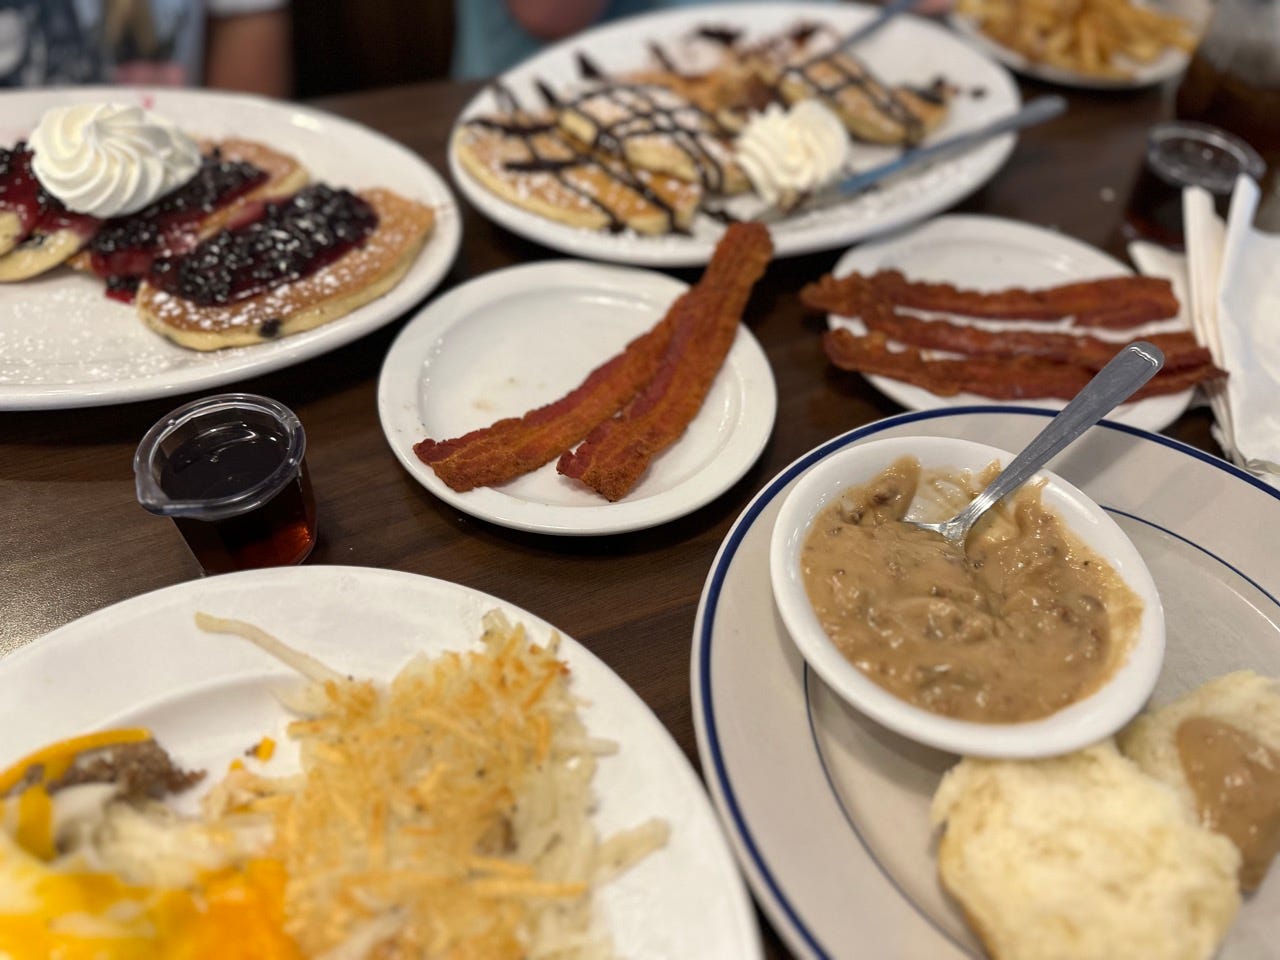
(251, 52)
(553, 19)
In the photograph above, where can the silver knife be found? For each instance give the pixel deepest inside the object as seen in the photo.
(886, 13)
(1037, 111)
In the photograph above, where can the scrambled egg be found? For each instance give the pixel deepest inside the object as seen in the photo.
(49, 914)
(68, 911)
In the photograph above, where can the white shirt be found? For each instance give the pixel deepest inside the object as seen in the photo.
(54, 42)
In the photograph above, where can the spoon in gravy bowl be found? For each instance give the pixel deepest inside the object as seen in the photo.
(1112, 385)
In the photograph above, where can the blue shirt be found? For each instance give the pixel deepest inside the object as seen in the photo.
(488, 40)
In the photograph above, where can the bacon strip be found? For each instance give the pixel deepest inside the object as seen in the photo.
(1112, 302)
(618, 451)
(999, 378)
(514, 446)
(1180, 349)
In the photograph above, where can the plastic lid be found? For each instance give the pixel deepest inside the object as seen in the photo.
(209, 415)
(1187, 154)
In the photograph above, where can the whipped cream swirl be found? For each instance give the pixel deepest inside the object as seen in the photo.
(788, 153)
(108, 159)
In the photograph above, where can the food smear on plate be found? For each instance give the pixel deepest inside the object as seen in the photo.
(445, 814)
(1081, 856)
(790, 154)
(1101, 39)
(1011, 352)
(1018, 623)
(1218, 747)
(221, 248)
(645, 148)
(634, 405)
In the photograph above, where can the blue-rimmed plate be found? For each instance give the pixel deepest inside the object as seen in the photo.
(828, 812)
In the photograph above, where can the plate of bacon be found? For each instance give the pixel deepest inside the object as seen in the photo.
(299, 232)
(969, 309)
(574, 398)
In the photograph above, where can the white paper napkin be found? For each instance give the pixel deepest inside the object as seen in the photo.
(1248, 329)
(1229, 285)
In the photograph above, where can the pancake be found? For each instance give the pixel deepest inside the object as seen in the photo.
(28, 254)
(529, 162)
(38, 253)
(285, 176)
(11, 231)
(654, 128)
(354, 279)
(870, 109)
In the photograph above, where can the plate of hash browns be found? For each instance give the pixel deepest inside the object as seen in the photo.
(1094, 44)
(968, 309)
(228, 774)
(621, 143)
(80, 334)
(581, 399)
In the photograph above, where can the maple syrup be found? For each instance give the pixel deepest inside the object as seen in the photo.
(230, 471)
(1181, 154)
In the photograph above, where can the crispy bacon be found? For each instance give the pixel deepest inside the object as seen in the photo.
(999, 378)
(618, 451)
(1111, 302)
(507, 449)
(1180, 349)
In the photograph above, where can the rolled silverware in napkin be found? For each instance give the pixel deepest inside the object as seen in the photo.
(1242, 321)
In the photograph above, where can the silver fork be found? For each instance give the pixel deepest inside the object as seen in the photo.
(1112, 385)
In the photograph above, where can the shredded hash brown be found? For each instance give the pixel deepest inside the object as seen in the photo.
(447, 815)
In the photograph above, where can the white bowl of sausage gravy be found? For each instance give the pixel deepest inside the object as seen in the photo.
(1042, 635)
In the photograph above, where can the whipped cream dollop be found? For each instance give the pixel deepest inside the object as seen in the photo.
(108, 159)
(788, 153)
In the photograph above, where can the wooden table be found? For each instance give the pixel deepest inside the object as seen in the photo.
(73, 539)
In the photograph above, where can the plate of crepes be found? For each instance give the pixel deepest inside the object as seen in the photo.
(1102, 44)
(635, 141)
(1155, 843)
(579, 398)
(154, 242)
(971, 309)
(225, 773)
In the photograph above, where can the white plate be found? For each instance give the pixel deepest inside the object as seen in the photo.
(1169, 64)
(64, 344)
(207, 698)
(990, 253)
(518, 338)
(829, 812)
(909, 50)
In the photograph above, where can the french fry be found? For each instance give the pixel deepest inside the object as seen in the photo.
(1098, 38)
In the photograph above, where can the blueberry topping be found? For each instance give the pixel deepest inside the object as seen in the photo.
(292, 239)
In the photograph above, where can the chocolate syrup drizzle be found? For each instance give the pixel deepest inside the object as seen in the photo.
(644, 115)
(853, 75)
(525, 128)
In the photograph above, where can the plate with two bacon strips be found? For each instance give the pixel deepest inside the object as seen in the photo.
(576, 399)
(977, 310)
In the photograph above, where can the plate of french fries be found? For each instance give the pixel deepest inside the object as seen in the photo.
(1086, 43)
